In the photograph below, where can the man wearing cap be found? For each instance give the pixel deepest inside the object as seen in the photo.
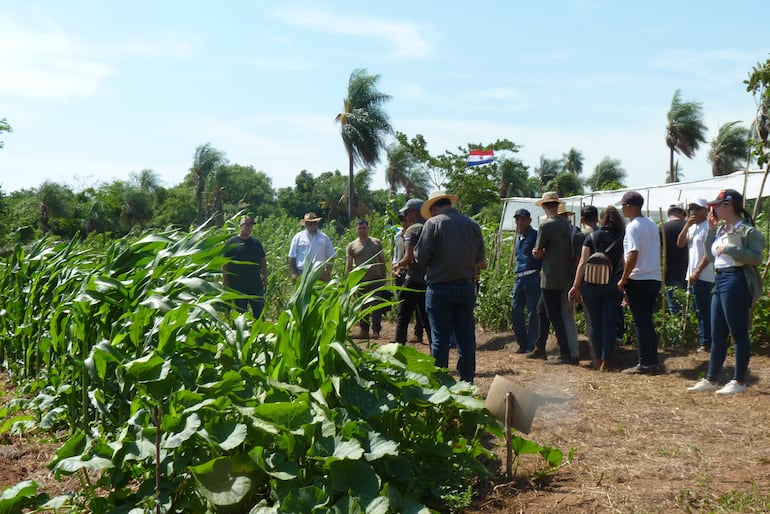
(309, 247)
(641, 279)
(526, 285)
(675, 263)
(362, 251)
(412, 301)
(700, 271)
(553, 247)
(247, 273)
(451, 248)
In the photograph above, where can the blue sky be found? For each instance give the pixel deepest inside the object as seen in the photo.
(97, 90)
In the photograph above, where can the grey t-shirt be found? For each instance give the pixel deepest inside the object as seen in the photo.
(450, 247)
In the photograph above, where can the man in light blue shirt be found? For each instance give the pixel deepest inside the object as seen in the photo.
(309, 247)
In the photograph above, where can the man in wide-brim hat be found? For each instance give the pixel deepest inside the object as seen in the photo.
(310, 246)
(451, 248)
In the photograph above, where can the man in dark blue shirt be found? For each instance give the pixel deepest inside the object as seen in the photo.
(526, 287)
(248, 272)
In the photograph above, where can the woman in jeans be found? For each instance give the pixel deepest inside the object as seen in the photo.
(735, 249)
(602, 301)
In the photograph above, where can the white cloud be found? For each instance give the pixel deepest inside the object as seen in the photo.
(408, 38)
(40, 63)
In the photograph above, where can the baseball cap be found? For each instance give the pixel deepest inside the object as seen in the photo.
(523, 213)
(631, 198)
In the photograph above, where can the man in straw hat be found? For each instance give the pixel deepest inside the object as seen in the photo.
(451, 248)
(248, 271)
(553, 246)
(310, 246)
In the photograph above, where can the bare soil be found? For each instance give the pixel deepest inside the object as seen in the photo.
(641, 443)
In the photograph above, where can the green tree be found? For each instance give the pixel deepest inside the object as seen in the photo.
(403, 172)
(364, 124)
(758, 84)
(4, 127)
(205, 160)
(609, 174)
(684, 132)
(566, 183)
(178, 208)
(546, 171)
(729, 148)
(573, 161)
(243, 187)
(514, 179)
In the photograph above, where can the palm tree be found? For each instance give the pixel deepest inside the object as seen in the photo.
(364, 124)
(4, 127)
(403, 171)
(205, 160)
(608, 175)
(573, 161)
(547, 170)
(685, 130)
(730, 147)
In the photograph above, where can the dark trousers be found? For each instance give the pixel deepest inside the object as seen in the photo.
(549, 312)
(641, 296)
(412, 302)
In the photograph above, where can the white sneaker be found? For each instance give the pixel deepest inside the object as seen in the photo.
(702, 385)
(732, 387)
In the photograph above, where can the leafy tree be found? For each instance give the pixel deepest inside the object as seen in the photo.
(364, 124)
(403, 172)
(566, 184)
(758, 84)
(56, 202)
(573, 161)
(178, 208)
(243, 187)
(608, 175)
(514, 179)
(547, 170)
(434, 168)
(684, 132)
(205, 160)
(4, 127)
(298, 200)
(729, 148)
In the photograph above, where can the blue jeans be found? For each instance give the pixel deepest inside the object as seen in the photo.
(526, 293)
(450, 311)
(674, 307)
(641, 296)
(603, 305)
(730, 304)
(701, 290)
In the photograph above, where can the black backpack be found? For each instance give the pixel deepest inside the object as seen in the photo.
(599, 268)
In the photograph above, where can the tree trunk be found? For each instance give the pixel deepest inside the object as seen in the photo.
(671, 166)
(350, 187)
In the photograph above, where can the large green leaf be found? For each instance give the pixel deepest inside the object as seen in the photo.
(354, 475)
(192, 424)
(73, 464)
(150, 368)
(228, 435)
(219, 484)
(288, 415)
(13, 497)
(305, 499)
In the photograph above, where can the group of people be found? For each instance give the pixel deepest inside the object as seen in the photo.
(712, 248)
(439, 254)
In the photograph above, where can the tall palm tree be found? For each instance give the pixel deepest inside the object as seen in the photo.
(685, 130)
(364, 124)
(403, 171)
(547, 170)
(608, 174)
(206, 158)
(4, 127)
(573, 161)
(729, 148)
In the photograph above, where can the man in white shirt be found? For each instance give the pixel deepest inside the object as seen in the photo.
(700, 272)
(641, 280)
(309, 247)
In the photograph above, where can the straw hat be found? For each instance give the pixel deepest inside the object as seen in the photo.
(549, 197)
(434, 197)
(563, 210)
(309, 216)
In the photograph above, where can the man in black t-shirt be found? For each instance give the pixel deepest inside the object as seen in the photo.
(247, 273)
(675, 265)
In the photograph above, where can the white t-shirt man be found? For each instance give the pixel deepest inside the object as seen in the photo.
(642, 235)
(309, 248)
(696, 240)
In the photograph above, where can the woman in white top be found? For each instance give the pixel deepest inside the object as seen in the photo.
(735, 249)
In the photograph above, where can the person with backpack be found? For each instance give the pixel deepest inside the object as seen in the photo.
(595, 284)
(736, 250)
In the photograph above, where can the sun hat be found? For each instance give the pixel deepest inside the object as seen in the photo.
(631, 198)
(549, 197)
(434, 197)
(414, 204)
(563, 210)
(247, 219)
(309, 216)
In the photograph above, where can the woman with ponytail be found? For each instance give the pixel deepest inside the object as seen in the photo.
(736, 249)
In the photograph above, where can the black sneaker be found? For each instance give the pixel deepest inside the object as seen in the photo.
(537, 353)
(642, 370)
(521, 350)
